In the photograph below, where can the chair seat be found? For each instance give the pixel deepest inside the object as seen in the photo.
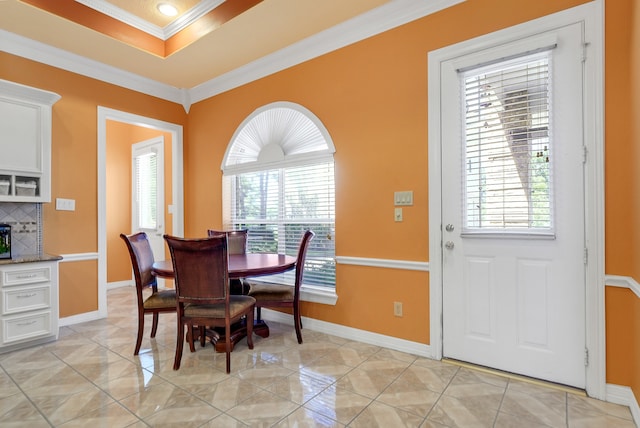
(237, 305)
(161, 299)
(271, 292)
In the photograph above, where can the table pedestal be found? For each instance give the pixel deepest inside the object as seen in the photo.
(238, 332)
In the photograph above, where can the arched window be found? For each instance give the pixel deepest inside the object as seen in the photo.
(278, 178)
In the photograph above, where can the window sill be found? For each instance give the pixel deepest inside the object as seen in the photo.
(318, 295)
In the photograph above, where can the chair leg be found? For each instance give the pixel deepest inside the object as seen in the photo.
(190, 339)
(179, 343)
(203, 336)
(298, 323)
(250, 329)
(154, 326)
(227, 342)
(140, 332)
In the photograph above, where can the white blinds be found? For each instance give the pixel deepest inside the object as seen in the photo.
(508, 152)
(277, 205)
(147, 190)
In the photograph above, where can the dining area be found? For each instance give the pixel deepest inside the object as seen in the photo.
(219, 290)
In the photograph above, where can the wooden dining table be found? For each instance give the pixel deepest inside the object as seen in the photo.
(240, 266)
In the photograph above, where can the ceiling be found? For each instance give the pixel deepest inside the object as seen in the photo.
(209, 44)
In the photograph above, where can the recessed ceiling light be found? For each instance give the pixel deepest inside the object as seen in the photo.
(167, 9)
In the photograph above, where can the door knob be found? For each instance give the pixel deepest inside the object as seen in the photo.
(449, 227)
(449, 245)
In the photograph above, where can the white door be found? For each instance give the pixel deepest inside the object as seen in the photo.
(147, 203)
(513, 208)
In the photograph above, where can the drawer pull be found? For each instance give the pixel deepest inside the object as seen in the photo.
(25, 296)
(22, 324)
(27, 276)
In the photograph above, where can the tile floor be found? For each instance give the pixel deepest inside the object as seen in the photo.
(89, 378)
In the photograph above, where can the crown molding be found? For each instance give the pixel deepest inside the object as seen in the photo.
(383, 18)
(55, 57)
(177, 25)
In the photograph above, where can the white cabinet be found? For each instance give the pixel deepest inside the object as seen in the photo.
(25, 143)
(28, 303)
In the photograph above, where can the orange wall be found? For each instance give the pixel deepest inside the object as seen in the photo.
(120, 138)
(372, 97)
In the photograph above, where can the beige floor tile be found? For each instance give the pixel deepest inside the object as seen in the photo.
(62, 406)
(263, 409)
(381, 415)
(338, 404)
(226, 394)
(458, 412)
(298, 388)
(409, 396)
(112, 416)
(369, 383)
(305, 418)
(17, 411)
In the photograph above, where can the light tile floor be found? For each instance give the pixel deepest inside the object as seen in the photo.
(90, 378)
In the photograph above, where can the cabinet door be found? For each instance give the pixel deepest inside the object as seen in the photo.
(21, 142)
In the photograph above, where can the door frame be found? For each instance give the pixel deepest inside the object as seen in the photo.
(177, 180)
(591, 15)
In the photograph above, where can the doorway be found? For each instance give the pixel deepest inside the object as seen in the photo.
(176, 179)
(458, 250)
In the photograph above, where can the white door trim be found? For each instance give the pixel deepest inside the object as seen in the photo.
(592, 16)
(105, 114)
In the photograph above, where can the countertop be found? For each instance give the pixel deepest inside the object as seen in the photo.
(31, 258)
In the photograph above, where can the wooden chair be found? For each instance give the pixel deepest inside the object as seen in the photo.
(236, 244)
(201, 269)
(283, 296)
(159, 301)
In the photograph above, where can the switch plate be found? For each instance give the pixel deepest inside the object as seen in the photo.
(403, 198)
(65, 204)
(397, 215)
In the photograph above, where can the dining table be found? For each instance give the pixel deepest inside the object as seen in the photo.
(240, 266)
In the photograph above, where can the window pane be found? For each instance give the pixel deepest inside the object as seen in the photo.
(277, 206)
(508, 159)
(147, 190)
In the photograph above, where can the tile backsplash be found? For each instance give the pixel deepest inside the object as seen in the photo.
(25, 220)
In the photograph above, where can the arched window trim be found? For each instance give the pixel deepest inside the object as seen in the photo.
(288, 160)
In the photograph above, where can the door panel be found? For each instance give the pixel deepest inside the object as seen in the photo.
(514, 293)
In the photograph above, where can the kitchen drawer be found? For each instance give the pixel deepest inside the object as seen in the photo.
(25, 274)
(31, 326)
(21, 299)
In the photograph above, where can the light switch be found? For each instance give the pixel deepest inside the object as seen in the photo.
(65, 204)
(398, 214)
(403, 198)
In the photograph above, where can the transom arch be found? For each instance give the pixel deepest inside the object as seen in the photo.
(275, 135)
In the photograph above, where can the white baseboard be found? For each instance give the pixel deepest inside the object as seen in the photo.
(77, 319)
(394, 343)
(118, 284)
(623, 395)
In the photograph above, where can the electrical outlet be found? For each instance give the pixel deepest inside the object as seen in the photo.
(397, 309)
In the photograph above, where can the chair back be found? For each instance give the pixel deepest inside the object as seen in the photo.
(201, 269)
(302, 255)
(141, 260)
(236, 239)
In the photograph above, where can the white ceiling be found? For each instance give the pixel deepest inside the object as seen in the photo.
(270, 36)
